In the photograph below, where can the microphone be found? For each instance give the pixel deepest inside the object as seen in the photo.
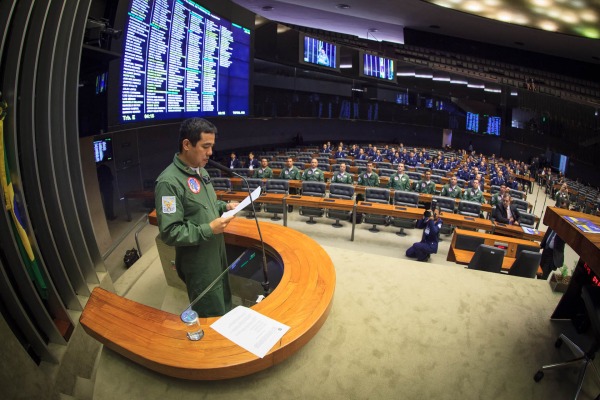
(265, 284)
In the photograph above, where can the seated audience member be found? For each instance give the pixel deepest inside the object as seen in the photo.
(474, 193)
(342, 176)
(361, 155)
(411, 160)
(480, 179)
(369, 177)
(451, 189)
(313, 173)
(234, 162)
(431, 225)
(506, 212)
(253, 163)
(399, 180)
(264, 172)
(446, 165)
(464, 173)
(562, 197)
(512, 183)
(340, 153)
(290, 172)
(497, 197)
(498, 180)
(325, 148)
(377, 157)
(426, 185)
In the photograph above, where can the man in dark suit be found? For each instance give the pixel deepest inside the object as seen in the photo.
(234, 162)
(506, 212)
(553, 253)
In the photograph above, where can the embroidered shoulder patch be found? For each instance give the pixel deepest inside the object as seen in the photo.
(169, 205)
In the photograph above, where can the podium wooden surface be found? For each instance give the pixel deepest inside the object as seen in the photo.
(157, 340)
(586, 245)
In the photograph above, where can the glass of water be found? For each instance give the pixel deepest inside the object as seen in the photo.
(192, 325)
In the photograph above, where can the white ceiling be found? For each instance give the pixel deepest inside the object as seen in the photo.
(390, 17)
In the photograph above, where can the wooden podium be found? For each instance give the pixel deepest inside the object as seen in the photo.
(157, 340)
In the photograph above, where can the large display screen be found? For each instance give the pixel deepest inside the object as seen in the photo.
(180, 60)
(103, 150)
(472, 122)
(374, 66)
(493, 125)
(318, 52)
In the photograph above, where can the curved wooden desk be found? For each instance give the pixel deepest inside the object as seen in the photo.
(157, 340)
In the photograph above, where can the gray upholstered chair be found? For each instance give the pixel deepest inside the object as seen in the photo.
(276, 186)
(526, 264)
(445, 204)
(376, 195)
(526, 219)
(386, 172)
(245, 172)
(213, 172)
(517, 194)
(316, 189)
(487, 258)
(409, 199)
(340, 191)
(221, 184)
(469, 208)
(522, 205)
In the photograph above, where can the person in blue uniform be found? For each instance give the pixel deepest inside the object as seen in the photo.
(431, 225)
(340, 153)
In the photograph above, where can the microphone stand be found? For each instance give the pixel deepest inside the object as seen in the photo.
(265, 284)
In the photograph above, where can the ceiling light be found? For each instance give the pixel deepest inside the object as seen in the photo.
(345, 66)
(441, 77)
(423, 73)
(458, 80)
(373, 30)
(475, 85)
(343, 6)
(405, 71)
(267, 8)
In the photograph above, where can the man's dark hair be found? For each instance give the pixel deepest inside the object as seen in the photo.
(192, 128)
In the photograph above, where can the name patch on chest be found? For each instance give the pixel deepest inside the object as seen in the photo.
(169, 205)
(194, 185)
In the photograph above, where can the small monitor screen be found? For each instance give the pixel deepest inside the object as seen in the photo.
(378, 67)
(103, 150)
(101, 83)
(319, 52)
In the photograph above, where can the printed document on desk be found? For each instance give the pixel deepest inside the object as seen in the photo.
(250, 330)
(243, 204)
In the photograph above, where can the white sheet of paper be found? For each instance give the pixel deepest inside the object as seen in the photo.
(243, 203)
(250, 330)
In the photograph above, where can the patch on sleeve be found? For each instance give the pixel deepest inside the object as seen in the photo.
(169, 205)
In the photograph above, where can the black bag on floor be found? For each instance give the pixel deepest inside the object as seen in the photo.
(130, 257)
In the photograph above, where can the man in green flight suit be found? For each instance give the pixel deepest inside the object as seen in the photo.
(313, 173)
(474, 193)
(369, 177)
(498, 196)
(264, 172)
(290, 172)
(342, 176)
(399, 180)
(189, 218)
(451, 189)
(426, 185)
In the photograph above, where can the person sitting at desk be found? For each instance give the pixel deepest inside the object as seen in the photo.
(399, 180)
(512, 183)
(342, 176)
(377, 157)
(506, 212)
(369, 177)
(234, 162)
(426, 185)
(451, 189)
(290, 172)
(497, 197)
(313, 173)
(474, 193)
(498, 180)
(431, 225)
(361, 155)
(340, 153)
(264, 172)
